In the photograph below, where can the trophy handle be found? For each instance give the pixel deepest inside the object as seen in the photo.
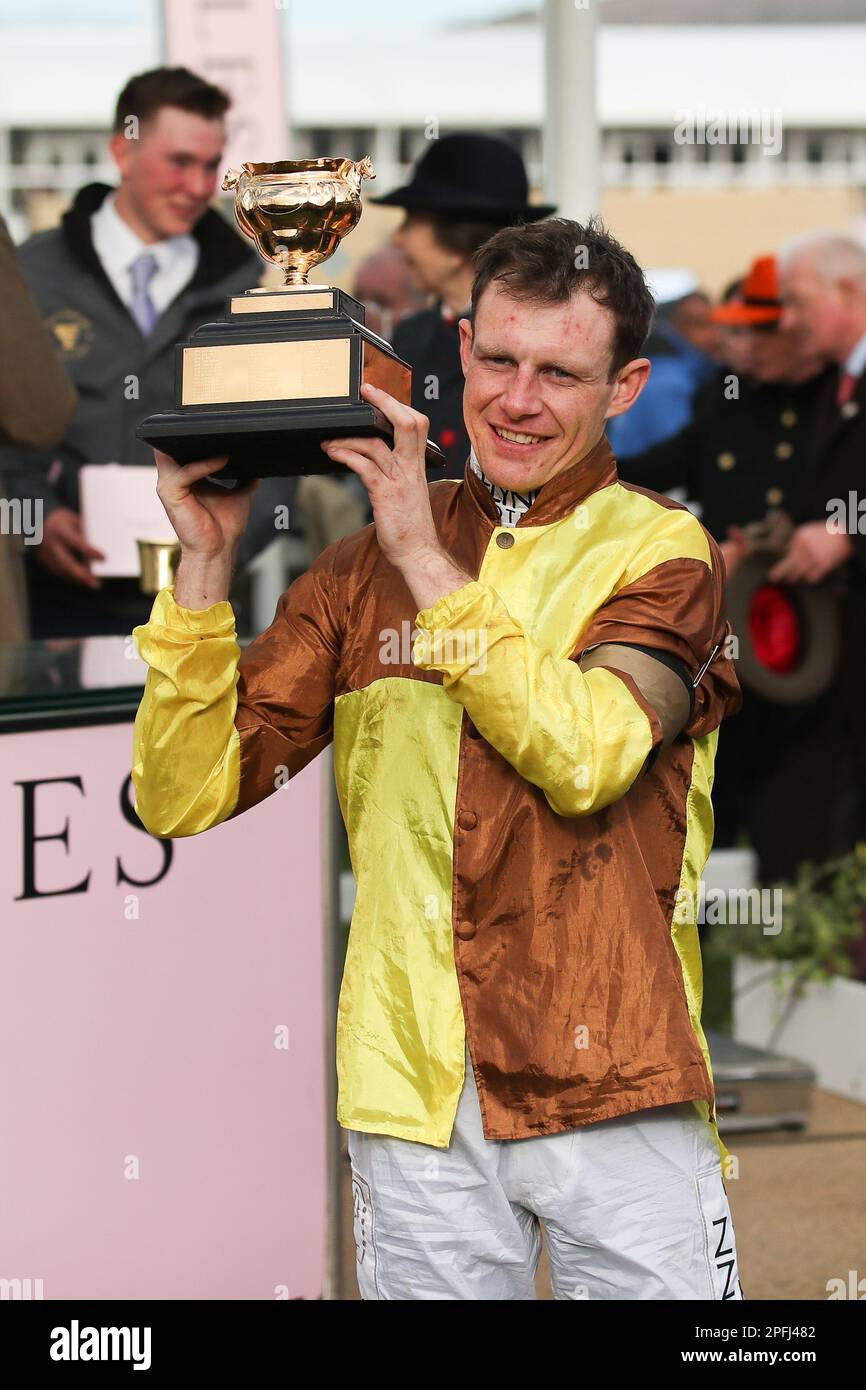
(236, 179)
(360, 171)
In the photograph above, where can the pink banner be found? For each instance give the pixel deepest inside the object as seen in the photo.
(164, 1034)
(239, 46)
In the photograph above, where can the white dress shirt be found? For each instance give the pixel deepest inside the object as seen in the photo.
(117, 246)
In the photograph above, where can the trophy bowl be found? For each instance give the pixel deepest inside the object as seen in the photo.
(297, 211)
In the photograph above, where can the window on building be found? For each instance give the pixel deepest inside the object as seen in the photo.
(532, 146)
(517, 139)
(412, 144)
(814, 150)
(359, 142)
(321, 142)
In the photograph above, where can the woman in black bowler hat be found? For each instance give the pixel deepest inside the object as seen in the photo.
(462, 190)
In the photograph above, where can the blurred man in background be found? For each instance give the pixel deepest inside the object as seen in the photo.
(823, 279)
(824, 290)
(462, 191)
(691, 317)
(130, 272)
(732, 340)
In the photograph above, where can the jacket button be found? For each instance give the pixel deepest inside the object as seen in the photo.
(505, 540)
(466, 931)
(471, 731)
(467, 820)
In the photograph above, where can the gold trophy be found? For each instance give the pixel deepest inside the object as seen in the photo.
(285, 370)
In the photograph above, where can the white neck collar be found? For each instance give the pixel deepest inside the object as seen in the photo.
(510, 505)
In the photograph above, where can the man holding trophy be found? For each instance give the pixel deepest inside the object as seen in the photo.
(526, 794)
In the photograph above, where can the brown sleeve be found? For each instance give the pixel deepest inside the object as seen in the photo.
(286, 684)
(37, 399)
(678, 607)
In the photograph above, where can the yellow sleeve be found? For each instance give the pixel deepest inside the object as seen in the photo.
(582, 738)
(186, 749)
(219, 729)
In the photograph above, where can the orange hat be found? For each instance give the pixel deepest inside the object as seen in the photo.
(759, 299)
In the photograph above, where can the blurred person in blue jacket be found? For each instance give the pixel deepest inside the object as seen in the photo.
(682, 348)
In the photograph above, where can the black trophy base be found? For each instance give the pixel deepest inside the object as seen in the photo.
(268, 442)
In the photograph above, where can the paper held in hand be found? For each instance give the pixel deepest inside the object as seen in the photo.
(119, 507)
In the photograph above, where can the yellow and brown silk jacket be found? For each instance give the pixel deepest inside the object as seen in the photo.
(518, 834)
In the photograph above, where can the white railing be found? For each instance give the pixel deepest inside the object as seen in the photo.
(769, 173)
(758, 172)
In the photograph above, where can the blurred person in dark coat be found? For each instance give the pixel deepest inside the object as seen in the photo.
(824, 293)
(37, 400)
(823, 282)
(463, 189)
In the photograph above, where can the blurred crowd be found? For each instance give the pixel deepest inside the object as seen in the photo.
(754, 416)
